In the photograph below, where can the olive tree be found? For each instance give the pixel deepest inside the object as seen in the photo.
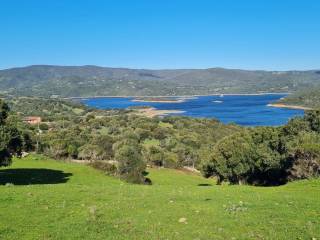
(131, 167)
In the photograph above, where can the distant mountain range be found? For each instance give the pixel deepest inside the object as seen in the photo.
(88, 81)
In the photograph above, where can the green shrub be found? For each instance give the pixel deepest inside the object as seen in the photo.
(43, 126)
(105, 166)
(304, 158)
(130, 164)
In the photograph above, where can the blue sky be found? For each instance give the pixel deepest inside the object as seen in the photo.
(247, 34)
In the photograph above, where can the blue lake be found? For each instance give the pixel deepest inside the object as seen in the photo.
(247, 110)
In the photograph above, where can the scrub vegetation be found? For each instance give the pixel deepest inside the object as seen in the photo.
(154, 178)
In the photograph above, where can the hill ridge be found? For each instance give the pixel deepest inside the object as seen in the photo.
(91, 80)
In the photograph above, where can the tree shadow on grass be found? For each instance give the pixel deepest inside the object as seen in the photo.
(29, 176)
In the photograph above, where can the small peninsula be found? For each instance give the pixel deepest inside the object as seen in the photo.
(281, 105)
(151, 112)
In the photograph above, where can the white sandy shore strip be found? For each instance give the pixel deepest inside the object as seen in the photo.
(152, 112)
(280, 105)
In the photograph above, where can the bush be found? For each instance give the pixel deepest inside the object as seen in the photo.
(304, 158)
(105, 166)
(313, 118)
(295, 126)
(130, 164)
(43, 126)
(154, 155)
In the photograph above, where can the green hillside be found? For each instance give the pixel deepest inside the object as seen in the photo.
(307, 98)
(56, 200)
(68, 81)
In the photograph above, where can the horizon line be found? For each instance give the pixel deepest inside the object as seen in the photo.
(157, 69)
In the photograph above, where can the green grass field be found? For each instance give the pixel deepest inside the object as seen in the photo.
(56, 200)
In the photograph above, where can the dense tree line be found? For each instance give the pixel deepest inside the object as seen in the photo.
(134, 141)
(268, 155)
(72, 131)
(50, 109)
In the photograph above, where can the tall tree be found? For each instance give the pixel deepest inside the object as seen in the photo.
(10, 138)
(131, 167)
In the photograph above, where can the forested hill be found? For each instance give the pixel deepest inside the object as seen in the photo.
(69, 81)
(307, 98)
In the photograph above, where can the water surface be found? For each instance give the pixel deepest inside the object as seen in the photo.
(247, 110)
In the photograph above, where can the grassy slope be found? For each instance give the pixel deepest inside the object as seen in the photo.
(93, 206)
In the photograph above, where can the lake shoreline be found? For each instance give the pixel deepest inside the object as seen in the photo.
(248, 110)
(162, 99)
(153, 112)
(182, 96)
(281, 105)
(158, 101)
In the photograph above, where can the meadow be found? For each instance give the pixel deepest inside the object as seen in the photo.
(45, 199)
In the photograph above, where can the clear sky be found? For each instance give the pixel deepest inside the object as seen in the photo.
(248, 34)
